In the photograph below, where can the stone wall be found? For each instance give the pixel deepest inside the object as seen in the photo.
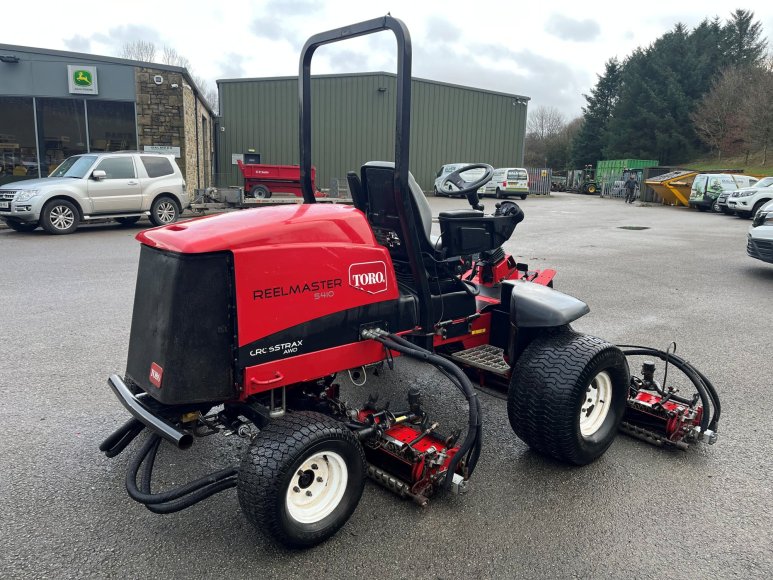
(172, 116)
(198, 140)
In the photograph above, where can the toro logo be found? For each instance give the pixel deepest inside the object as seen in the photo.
(369, 277)
(156, 374)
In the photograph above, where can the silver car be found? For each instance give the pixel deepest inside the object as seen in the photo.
(123, 186)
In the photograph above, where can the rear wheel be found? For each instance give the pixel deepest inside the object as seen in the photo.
(302, 478)
(164, 211)
(591, 189)
(20, 226)
(260, 192)
(60, 217)
(523, 196)
(567, 395)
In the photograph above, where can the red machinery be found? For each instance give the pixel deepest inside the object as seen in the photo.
(242, 321)
(261, 181)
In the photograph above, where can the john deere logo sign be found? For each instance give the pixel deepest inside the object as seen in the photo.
(82, 79)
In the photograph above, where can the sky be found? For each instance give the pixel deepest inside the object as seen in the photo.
(551, 52)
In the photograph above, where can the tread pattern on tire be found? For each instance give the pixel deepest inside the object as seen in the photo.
(541, 409)
(264, 467)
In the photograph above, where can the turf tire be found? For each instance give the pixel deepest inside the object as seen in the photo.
(271, 464)
(548, 388)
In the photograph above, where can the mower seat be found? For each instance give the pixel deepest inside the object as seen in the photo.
(375, 198)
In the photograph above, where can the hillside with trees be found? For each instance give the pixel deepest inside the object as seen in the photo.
(701, 93)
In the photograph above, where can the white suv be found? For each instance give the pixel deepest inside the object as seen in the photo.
(123, 186)
(759, 243)
(745, 202)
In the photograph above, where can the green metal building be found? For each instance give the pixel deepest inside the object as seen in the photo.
(353, 121)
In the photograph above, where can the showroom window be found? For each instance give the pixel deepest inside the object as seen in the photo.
(61, 131)
(111, 126)
(18, 153)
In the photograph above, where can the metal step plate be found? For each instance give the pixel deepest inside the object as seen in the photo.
(486, 357)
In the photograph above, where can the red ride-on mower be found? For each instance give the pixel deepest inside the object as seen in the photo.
(242, 320)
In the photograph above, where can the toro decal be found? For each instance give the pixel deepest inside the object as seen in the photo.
(369, 277)
(156, 374)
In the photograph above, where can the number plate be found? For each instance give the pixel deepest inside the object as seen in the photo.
(5, 204)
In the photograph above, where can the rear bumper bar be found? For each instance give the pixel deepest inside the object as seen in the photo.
(148, 417)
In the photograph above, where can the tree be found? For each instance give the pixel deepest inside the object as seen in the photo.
(743, 42)
(588, 143)
(718, 119)
(543, 128)
(143, 50)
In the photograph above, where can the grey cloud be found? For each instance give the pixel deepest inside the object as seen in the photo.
(344, 60)
(441, 30)
(567, 28)
(270, 27)
(78, 43)
(232, 66)
(547, 82)
(292, 7)
(128, 33)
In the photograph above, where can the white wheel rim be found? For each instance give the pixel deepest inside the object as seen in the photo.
(165, 212)
(317, 487)
(62, 217)
(595, 406)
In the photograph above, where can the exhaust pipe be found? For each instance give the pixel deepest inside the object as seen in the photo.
(140, 412)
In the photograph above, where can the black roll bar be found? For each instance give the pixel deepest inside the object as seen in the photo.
(402, 135)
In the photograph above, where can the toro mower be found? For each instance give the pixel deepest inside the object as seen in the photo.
(242, 321)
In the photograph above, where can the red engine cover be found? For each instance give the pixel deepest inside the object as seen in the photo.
(303, 273)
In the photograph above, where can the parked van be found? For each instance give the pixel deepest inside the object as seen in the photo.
(441, 188)
(707, 187)
(507, 181)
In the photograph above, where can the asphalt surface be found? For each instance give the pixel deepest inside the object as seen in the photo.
(638, 512)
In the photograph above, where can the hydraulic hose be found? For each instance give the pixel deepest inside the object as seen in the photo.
(178, 498)
(471, 445)
(706, 391)
(121, 437)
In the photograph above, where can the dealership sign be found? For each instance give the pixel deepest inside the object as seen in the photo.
(163, 149)
(82, 80)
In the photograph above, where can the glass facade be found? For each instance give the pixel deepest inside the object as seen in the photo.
(111, 126)
(65, 127)
(18, 146)
(61, 131)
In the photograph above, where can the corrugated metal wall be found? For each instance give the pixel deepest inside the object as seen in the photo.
(353, 119)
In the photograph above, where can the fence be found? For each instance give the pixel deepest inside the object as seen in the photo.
(539, 180)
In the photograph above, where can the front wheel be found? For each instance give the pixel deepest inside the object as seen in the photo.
(20, 226)
(164, 211)
(567, 395)
(498, 194)
(302, 478)
(523, 197)
(591, 189)
(60, 217)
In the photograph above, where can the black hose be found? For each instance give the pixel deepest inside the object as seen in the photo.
(470, 448)
(121, 437)
(178, 498)
(706, 391)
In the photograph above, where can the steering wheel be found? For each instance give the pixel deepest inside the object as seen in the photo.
(470, 188)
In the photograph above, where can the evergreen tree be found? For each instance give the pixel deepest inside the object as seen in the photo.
(743, 42)
(588, 143)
